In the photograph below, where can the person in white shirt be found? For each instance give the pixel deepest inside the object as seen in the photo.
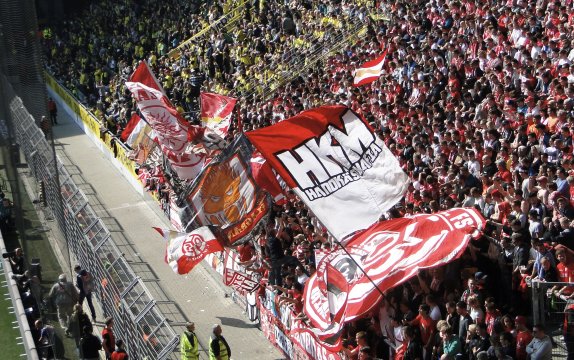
(540, 348)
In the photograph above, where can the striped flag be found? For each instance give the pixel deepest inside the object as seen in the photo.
(370, 71)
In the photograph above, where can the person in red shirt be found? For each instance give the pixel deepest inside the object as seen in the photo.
(523, 337)
(492, 316)
(426, 326)
(565, 272)
(120, 353)
(504, 174)
(108, 338)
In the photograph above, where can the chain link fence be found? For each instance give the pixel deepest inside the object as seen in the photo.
(121, 293)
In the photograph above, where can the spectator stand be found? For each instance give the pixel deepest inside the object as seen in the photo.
(26, 338)
(228, 20)
(121, 293)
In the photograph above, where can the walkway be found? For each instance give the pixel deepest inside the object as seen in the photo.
(130, 218)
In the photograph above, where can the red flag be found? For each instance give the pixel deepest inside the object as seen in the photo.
(130, 127)
(265, 177)
(145, 76)
(391, 252)
(185, 251)
(370, 71)
(216, 111)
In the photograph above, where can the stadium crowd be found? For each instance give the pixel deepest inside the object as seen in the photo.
(476, 101)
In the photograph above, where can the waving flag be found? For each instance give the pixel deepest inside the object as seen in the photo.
(132, 124)
(239, 281)
(390, 252)
(169, 127)
(216, 111)
(335, 163)
(226, 196)
(370, 71)
(185, 251)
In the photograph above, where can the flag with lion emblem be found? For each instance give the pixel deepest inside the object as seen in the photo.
(226, 196)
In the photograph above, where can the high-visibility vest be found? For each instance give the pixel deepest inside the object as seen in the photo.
(222, 350)
(189, 351)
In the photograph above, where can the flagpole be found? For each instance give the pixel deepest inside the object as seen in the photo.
(359, 266)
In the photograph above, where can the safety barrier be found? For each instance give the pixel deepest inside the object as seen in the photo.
(122, 294)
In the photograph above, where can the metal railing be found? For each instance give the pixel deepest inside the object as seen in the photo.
(121, 293)
(549, 310)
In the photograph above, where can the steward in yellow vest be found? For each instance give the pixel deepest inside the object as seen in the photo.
(189, 346)
(218, 347)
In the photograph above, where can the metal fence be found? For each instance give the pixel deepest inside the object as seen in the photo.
(549, 310)
(121, 293)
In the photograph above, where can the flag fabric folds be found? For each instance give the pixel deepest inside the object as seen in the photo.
(132, 124)
(336, 164)
(226, 196)
(390, 252)
(369, 71)
(169, 128)
(266, 178)
(185, 251)
(216, 111)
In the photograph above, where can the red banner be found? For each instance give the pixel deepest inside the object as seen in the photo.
(390, 252)
(239, 281)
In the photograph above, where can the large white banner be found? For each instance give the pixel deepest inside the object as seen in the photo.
(336, 164)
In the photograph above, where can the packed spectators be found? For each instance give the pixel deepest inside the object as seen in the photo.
(476, 101)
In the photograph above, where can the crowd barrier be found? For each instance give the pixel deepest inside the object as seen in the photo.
(19, 311)
(301, 346)
(121, 293)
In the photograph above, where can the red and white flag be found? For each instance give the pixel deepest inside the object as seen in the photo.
(390, 253)
(136, 133)
(265, 177)
(336, 164)
(216, 111)
(185, 251)
(169, 127)
(370, 71)
(131, 125)
(239, 281)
